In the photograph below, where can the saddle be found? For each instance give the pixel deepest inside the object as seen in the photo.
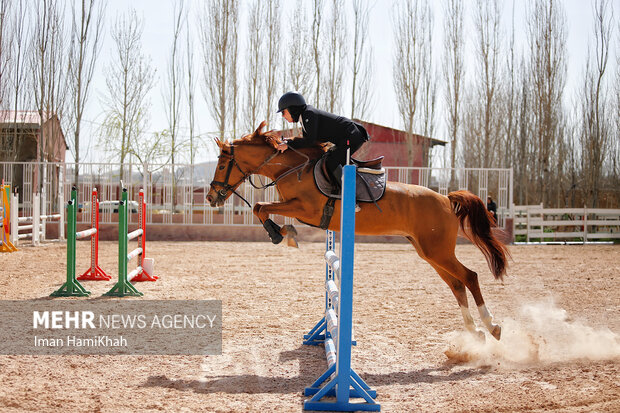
(370, 180)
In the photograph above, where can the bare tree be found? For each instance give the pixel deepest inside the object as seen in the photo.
(218, 35)
(317, 37)
(488, 122)
(255, 63)
(571, 176)
(453, 71)
(173, 91)
(86, 31)
(472, 142)
(507, 143)
(428, 95)
(233, 94)
(409, 20)
(596, 122)
(7, 35)
(362, 69)
(150, 151)
(616, 150)
(48, 63)
(129, 79)
(337, 52)
(299, 65)
(5, 51)
(18, 88)
(524, 153)
(284, 79)
(190, 94)
(547, 47)
(271, 68)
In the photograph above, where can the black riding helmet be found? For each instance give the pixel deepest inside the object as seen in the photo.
(290, 99)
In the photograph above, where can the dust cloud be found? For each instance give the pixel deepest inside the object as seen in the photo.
(541, 333)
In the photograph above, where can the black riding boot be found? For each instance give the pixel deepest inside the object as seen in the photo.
(337, 180)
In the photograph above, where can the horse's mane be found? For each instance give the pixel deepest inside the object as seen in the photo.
(271, 138)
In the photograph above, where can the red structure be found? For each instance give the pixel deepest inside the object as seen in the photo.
(94, 272)
(140, 273)
(390, 143)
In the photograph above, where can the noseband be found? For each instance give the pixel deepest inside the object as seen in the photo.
(225, 186)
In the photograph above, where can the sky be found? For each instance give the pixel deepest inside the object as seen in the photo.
(157, 39)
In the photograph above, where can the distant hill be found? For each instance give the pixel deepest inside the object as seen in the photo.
(203, 173)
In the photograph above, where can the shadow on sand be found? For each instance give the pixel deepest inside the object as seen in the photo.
(311, 366)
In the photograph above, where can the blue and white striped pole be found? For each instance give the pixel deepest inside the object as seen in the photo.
(346, 383)
(345, 312)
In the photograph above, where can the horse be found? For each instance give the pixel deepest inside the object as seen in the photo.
(428, 220)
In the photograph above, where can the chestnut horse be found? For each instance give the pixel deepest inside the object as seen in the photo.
(429, 221)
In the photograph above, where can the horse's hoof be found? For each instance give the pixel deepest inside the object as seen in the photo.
(289, 230)
(291, 236)
(496, 332)
(479, 334)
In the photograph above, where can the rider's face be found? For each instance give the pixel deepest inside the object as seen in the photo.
(286, 115)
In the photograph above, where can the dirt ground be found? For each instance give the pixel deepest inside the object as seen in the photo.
(559, 309)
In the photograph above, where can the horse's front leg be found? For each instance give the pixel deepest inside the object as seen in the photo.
(292, 208)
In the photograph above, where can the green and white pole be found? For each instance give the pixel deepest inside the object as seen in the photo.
(72, 287)
(123, 287)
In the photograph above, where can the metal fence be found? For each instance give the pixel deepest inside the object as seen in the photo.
(177, 195)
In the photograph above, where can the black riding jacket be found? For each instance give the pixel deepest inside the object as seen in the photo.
(320, 126)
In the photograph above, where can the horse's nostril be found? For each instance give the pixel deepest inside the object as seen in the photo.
(209, 198)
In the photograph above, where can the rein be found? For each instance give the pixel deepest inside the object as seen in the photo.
(297, 168)
(226, 187)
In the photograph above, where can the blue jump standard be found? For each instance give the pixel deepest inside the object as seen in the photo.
(340, 380)
(318, 333)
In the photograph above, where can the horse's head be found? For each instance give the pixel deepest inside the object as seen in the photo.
(238, 160)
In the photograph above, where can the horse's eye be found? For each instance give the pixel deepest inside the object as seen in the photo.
(221, 167)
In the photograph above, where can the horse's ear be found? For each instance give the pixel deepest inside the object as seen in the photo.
(259, 130)
(219, 142)
(272, 138)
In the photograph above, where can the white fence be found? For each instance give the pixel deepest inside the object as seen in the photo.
(177, 196)
(533, 223)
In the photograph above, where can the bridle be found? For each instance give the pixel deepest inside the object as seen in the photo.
(226, 187)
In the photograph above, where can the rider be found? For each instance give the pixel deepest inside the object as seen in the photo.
(320, 126)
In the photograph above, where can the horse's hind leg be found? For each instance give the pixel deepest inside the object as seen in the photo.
(442, 257)
(453, 266)
(458, 289)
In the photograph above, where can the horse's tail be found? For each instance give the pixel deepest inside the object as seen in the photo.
(468, 207)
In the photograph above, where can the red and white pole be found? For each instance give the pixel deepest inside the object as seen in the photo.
(142, 275)
(95, 272)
